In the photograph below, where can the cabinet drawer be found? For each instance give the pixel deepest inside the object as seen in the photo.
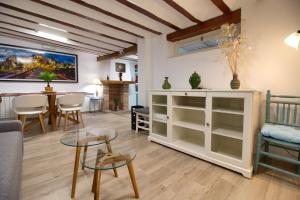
(192, 94)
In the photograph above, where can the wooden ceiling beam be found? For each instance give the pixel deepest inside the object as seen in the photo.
(65, 44)
(86, 17)
(22, 37)
(91, 38)
(87, 44)
(222, 6)
(90, 6)
(72, 33)
(62, 22)
(206, 26)
(17, 17)
(183, 11)
(129, 50)
(31, 29)
(19, 26)
(148, 14)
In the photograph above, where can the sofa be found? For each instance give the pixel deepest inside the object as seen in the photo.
(11, 156)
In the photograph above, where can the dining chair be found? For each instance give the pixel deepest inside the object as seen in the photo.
(30, 105)
(71, 103)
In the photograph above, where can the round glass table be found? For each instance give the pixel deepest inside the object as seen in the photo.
(86, 137)
(99, 159)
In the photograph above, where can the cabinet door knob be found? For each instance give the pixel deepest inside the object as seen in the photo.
(207, 124)
(185, 94)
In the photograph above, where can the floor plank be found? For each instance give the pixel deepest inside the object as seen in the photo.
(162, 173)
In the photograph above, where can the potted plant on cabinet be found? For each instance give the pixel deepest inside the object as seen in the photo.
(48, 77)
(232, 43)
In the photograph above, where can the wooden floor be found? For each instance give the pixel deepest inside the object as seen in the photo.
(162, 173)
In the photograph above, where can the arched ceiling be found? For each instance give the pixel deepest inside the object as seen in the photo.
(105, 27)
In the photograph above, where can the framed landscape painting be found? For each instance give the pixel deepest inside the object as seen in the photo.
(25, 64)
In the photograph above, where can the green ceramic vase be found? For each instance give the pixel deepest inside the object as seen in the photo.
(235, 82)
(166, 84)
(195, 80)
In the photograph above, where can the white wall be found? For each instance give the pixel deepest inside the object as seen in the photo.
(88, 69)
(272, 65)
(145, 68)
(108, 68)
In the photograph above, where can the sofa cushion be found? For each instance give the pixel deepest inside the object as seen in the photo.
(11, 155)
(281, 132)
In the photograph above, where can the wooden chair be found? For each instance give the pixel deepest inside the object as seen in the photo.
(71, 103)
(281, 129)
(30, 105)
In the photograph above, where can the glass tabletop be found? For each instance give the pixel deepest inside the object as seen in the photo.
(99, 159)
(88, 137)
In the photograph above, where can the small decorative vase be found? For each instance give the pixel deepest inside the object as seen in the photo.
(195, 80)
(166, 84)
(48, 89)
(235, 82)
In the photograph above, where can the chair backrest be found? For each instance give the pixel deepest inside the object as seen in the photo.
(285, 109)
(30, 101)
(71, 100)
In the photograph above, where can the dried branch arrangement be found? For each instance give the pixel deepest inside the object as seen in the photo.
(231, 43)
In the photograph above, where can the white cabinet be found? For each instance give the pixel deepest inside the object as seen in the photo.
(215, 125)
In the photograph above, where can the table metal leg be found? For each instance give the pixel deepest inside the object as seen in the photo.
(75, 172)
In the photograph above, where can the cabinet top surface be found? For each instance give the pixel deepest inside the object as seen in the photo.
(204, 90)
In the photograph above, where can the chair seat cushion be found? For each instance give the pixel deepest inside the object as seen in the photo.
(281, 132)
(30, 111)
(70, 107)
(142, 110)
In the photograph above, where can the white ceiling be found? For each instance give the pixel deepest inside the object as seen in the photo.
(94, 43)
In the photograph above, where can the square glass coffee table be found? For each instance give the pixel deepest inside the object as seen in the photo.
(86, 137)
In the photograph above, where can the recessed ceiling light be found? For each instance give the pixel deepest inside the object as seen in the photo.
(52, 36)
(45, 25)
